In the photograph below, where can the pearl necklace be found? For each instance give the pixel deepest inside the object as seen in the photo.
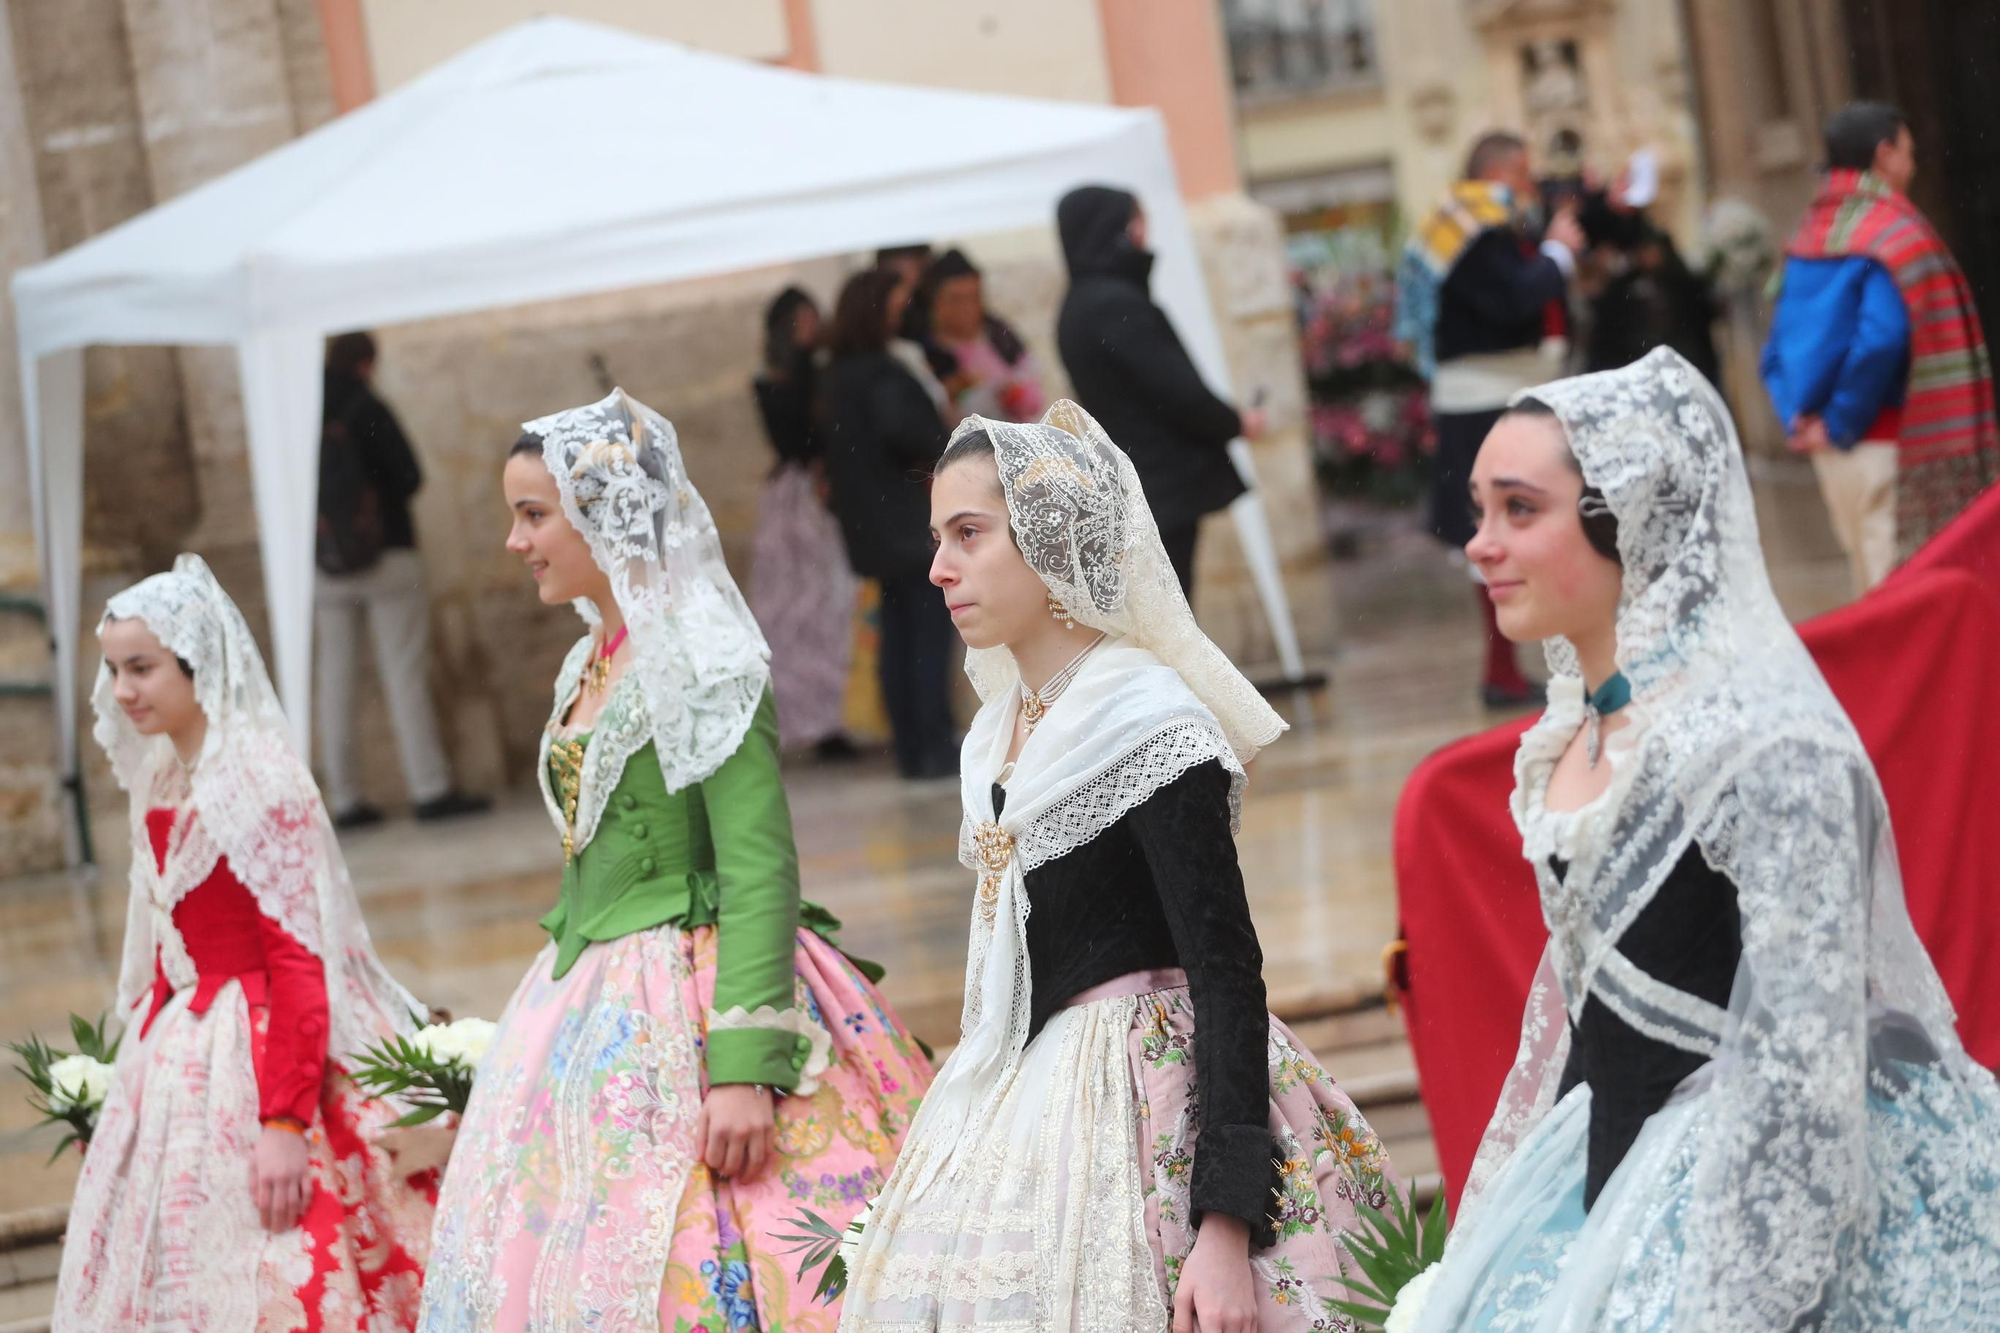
(1035, 704)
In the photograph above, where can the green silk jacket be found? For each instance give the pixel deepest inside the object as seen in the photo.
(718, 852)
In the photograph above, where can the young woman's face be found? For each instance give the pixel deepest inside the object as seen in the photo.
(957, 308)
(1544, 576)
(555, 553)
(146, 680)
(993, 596)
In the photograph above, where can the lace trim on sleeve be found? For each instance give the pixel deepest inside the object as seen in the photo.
(766, 1018)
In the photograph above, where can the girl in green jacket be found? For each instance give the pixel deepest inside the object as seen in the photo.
(688, 1060)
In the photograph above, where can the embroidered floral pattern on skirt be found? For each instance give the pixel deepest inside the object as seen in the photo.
(164, 1235)
(575, 1200)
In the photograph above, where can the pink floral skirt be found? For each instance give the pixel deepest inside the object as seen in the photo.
(575, 1198)
(164, 1234)
(1069, 1206)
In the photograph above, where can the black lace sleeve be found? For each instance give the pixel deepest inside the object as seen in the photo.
(1183, 830)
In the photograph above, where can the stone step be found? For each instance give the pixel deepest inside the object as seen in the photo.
(28, 1284)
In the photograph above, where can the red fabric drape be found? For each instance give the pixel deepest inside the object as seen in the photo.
(1913, 663)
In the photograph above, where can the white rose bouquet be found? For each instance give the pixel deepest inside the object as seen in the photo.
(432, 1069)
(828, 1248)
(69, 1089)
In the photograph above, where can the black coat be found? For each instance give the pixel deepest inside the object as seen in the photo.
(790, 407)
(883, 437)
(1129, 369)
(382, 460)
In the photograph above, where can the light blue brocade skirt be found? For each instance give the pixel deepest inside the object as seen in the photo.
(1531, 1260)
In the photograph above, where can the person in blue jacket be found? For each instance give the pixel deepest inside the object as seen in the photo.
(1837, 363)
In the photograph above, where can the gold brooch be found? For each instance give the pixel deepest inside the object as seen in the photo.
(994, 846)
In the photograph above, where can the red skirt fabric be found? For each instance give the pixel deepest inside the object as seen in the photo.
(164, 1234)
(1912, 663)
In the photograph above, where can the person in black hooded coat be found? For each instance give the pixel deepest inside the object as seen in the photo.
(1129, 370)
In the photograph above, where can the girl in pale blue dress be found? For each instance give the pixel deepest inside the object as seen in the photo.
(1740, 1102)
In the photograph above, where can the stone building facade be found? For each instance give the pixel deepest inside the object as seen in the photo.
(108, 107)
(1408, 84)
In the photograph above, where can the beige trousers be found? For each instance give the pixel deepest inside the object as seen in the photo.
(390, 597)
(1860, 489)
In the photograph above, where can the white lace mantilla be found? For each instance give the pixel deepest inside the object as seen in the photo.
(699, 665)
(249, 799)
(1080, 519)
(1746, 755)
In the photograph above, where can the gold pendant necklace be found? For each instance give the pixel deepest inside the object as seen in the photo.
(1035, 704)
(598, 678)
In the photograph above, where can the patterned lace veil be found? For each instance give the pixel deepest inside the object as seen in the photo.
(1743, 751)
(1082, 523)
(698, 660)
(249, 798)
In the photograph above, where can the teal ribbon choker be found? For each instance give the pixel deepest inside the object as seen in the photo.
(1603, 701)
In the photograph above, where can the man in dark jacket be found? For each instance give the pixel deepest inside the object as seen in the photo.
(1130, 371)
(1482, 303)
(369, 570)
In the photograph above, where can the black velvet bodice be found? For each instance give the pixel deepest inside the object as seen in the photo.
(1161, 888)
(1689, 936)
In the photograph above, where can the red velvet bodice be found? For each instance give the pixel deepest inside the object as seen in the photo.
(229, 938)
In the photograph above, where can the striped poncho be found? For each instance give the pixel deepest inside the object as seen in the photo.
(1950, 444)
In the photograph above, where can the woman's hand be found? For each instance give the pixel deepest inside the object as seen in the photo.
(1217, 1293)
(278, 1179)
(735, 1129)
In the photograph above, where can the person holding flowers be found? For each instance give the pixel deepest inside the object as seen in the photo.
(689, 1060)
(235, 1177)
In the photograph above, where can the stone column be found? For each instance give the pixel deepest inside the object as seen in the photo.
(22, 243)
(213, 94)
(30, 837)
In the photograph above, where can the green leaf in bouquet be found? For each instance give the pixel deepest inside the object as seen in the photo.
(1391, 1247)
(398, 1067)
(819, 1240)
(423, 1115)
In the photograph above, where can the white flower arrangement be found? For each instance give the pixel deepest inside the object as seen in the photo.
(462, 1042)
(1739, 247)
(79, 1082)
(66, 1089)
(1403, 1315)
(431, 1069)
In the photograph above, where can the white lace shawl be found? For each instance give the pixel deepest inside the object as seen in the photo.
(250, 799)
(1743, 752)
(698, 659)
(1126, 726)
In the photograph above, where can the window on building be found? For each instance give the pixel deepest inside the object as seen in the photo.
(1293, 48)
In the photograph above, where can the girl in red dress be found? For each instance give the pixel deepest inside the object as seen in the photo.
(235, 1183)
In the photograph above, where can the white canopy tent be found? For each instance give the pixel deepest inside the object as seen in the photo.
(556, 159)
